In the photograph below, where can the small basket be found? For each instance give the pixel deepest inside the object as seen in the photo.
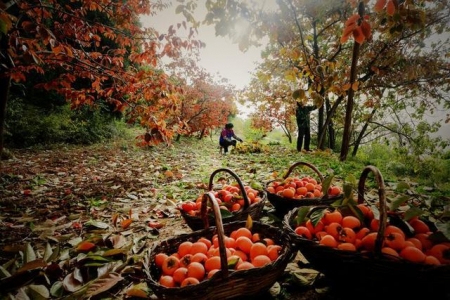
(225, 284)
(371, 269)
(254, 210)
(282, 205)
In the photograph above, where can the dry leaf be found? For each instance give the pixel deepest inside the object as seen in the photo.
(103, 283)
(126, 223)
(71, 284)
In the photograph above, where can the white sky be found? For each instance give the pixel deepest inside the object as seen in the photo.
(220, 55)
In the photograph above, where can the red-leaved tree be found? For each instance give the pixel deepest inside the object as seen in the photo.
(99, 52)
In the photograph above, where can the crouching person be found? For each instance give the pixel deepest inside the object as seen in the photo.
(228, 138)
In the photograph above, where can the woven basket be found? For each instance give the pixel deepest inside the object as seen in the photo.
(225, 284)
(372, 269)
(254, 210)
(284, 205)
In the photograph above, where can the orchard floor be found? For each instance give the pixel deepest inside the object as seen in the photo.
(52, 199)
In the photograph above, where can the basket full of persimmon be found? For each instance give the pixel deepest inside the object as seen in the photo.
(236, 202)
(371, 244)
(225, 261)
(294, 191)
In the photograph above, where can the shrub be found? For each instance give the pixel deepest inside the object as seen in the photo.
(28, 125)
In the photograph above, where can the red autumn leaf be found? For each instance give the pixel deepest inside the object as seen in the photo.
(379, 5)
(85, 246)
(366, 29)
(390, 8)
(344, 38)
(352, 20)
(348, 30)
(358, 35)
(126, 223)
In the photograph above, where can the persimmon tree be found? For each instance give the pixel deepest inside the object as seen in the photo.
(99, 52)
(402, 47)
(206, 106)
(207, 101)
(270, 106)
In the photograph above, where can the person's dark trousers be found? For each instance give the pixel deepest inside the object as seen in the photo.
(226, 144)
(303, 133)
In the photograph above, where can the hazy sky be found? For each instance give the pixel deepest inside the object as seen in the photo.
(219, 56)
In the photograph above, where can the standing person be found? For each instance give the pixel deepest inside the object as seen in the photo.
(303, 124)
(228, 138)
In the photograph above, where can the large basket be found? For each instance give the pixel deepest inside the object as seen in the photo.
(380, 273)
(254, 210)
(225, 284)
(283, 205)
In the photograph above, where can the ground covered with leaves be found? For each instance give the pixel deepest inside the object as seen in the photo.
(78, 222)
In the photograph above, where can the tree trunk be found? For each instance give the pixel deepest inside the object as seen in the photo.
(349, 108)
(361, 134)
(320, 120)
(320, 127)
(202, 133)
(329, 124)
(331, 136)
(351, 92)
(4, 83)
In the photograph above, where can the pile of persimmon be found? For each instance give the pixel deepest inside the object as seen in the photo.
(229, 198)
(195, 261)
(300, 187)
(347, 232)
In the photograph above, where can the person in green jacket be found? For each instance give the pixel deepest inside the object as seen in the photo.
(303, 124)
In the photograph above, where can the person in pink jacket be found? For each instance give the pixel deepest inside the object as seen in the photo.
(228, 138)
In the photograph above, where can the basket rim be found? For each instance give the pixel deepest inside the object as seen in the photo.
(276, 197)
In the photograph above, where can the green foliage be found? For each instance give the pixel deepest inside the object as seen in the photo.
(400, 162)
(29, 125)
(254, 134)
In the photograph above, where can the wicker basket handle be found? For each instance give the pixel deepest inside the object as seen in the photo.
(241, 185)
(382, 200)
(219, 225)
(302, 163)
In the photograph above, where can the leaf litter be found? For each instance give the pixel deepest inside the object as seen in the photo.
(77, 222)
